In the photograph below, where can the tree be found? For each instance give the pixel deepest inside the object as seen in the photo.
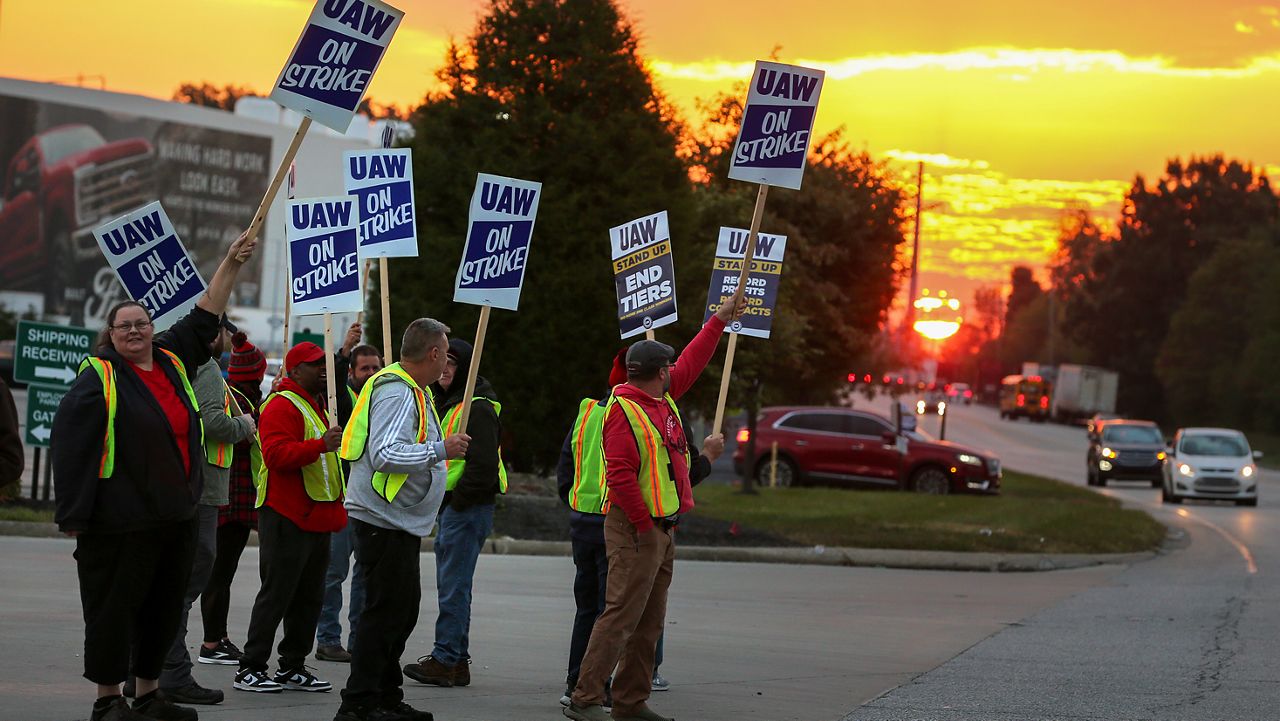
(1024, 289)
(213, 96)
(554, 91)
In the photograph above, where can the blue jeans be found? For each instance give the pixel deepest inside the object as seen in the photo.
(329, 630)
(457, 547)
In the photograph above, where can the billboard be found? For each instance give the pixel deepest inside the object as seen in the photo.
(67, 169)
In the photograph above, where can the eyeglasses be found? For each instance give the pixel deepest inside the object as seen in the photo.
(140, 325)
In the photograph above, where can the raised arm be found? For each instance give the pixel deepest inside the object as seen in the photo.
(215, 298)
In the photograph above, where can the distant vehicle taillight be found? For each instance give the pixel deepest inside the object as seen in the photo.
(1022, 400)
(1044, 401)
(968, 394)
(744, 435)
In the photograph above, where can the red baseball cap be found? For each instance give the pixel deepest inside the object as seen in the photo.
(304, 352)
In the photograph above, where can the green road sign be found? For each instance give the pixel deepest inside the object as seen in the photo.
(42, 403)
(50, 354)
(303, 336)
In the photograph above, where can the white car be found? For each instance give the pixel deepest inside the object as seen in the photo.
(1211, 463)
(273, 367)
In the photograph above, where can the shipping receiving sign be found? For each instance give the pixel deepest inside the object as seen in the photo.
(777, 125)
(644, 274)
(498, 237)
(761, 293)
(324, 263)
(152, 264)
(381, 181)
(334, 59)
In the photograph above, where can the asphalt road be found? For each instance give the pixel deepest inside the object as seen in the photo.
(1189, 635)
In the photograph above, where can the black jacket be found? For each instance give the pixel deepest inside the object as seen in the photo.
(12, 457)
(479, 482)
(149, 487)
(589, 527)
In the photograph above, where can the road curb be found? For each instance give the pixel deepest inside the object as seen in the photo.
(816, 555)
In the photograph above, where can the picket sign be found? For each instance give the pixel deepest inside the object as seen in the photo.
(288, 303)
(771, 149)
(494, 257)
(153, 266)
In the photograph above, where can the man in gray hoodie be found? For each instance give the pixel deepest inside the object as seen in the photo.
(225, 424)
(397, 453)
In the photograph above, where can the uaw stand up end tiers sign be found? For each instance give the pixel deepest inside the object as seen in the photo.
(644, 274)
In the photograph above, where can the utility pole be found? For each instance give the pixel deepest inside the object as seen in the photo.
(914, 287)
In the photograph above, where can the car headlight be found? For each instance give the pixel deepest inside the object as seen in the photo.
(1186, 470)
(1108, 453)
(1248, 471)
(971, 460)
(1161, 456)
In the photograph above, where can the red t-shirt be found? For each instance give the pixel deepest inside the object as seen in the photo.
(167, 396)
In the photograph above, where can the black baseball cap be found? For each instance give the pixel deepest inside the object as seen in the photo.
(648, 355)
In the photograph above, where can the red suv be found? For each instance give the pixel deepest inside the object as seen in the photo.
(841, 446)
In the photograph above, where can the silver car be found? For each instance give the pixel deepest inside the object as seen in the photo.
(1212, 464)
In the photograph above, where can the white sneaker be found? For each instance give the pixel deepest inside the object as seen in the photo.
(301, 679)
(659, 683)
(256, 681)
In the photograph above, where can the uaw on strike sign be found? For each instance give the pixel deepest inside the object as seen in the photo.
(761, 293)
(331, 65)
(381, 181)
(777, 123)
(644, 274)
(152, 264)
(324, 265)
(498, 237)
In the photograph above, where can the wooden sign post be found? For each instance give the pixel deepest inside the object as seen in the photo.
(756, 216)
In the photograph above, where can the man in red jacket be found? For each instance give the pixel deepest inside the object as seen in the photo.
(647, 472)
(300, 504)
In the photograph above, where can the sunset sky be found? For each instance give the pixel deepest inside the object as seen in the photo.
(1018, 107)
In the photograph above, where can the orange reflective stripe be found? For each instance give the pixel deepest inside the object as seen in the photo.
(651, 444)
(108, 389)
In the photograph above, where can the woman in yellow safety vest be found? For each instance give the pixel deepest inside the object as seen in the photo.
(128, 453)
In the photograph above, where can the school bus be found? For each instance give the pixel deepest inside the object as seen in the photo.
(1025, 396)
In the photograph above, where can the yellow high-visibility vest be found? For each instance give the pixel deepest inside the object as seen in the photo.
(589, 494)
(356, 434)
(322, 479)
(656, 484)
(456, 465)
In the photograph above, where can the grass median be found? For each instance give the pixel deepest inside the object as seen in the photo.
(1031, 515)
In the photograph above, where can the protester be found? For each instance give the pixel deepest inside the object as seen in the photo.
(643, 438)
(224, 426)
(12, 458)
(239, 516)
(466, 519)
(397, 452)
(581, 482)
(362, 361)
(299, 505)
(128, 467)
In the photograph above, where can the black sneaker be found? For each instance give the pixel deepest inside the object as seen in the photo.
(156, 705)
(114, 709)
(405, 712)
(225, 654)
(257, 681)
(194, 693)
(372, 713)
(301, 679)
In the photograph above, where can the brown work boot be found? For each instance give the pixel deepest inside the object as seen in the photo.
(430, 671)
(644, 713)
(462, 672)
(586, 713)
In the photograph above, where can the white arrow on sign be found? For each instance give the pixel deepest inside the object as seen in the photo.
(64, 374)
(41, 433)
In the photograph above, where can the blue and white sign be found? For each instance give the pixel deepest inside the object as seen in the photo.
(498, 237)
(777, 125)
(152, 264)
(324, 260)
(644, 274)
(381, 181)
(761, 293)
(334, 59)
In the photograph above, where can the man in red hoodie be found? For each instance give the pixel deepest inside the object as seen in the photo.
(647, 472)
(300, 504)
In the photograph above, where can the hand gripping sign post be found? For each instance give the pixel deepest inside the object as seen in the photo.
(152, 264)
(761, 290)
(771, 149)
(328, 73)
(499, 232)
(324, 268)
(644, 275)
(381, 181)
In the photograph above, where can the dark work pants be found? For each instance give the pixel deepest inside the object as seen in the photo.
(291, 563)
(131, 589)
(591, 578)
(389, 560)
(177, 664)
(215, 602)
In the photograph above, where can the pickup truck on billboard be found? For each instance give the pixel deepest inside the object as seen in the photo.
(57, 187)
